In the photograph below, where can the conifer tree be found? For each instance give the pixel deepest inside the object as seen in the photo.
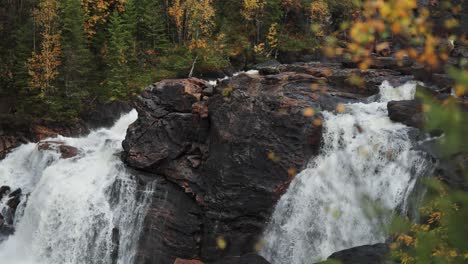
(75, 55)
(122, 52)
(23, 39)
(152, 32)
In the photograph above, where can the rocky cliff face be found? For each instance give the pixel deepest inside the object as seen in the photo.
(222, 156)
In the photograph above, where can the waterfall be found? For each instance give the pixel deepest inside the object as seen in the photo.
(344, 198)
(85, 209)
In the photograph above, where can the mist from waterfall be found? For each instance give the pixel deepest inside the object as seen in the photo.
(344, 198)
(86, 209)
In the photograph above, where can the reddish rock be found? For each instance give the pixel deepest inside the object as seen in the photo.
(201, 109)
(42, 132)
(187, 261)
(65, 150)
(68, 151)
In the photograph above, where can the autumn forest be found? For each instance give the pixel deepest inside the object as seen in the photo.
(58, 57)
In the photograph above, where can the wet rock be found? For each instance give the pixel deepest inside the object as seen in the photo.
(369, 254)
(4, 190)
(115, 245)
(390, 63)
(11, 200)
(172, 226)
(59, 146)
(251, 258)
(208, 91)
(187, 261)
(68, 151)
(268, 67)
(14, 198)
(5, 228)
(408, 112)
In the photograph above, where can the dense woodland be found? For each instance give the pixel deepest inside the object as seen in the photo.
(58, 57)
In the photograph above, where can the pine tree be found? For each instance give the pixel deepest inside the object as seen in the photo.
(152, 33)
(122, 52)
(23, 39)
(75, 55)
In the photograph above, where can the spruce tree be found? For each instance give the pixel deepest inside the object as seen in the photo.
(76, 57)
(121, 58)
(152, 33)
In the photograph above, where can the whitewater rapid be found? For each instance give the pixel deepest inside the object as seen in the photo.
(77, 210)
(345, 197)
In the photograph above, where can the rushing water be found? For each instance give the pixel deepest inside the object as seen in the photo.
(344, 197)
(77, 210)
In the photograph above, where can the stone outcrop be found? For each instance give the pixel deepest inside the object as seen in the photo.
(11, 199)
(227, 153)
(369, 254)
(65, 151)
(172, 227)
(217, 152)
(245, 259)
(408, 112)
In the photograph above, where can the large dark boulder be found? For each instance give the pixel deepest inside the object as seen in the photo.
(230, 156)
(65, 151)
(229, 152)
(367, 254)
(251, 258)
(408, 112)
(172, 227)
(268, 67)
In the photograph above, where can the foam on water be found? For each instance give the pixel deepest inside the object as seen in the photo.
(71, 209)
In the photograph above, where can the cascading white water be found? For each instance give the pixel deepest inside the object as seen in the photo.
(365, 170)
(72, 210)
